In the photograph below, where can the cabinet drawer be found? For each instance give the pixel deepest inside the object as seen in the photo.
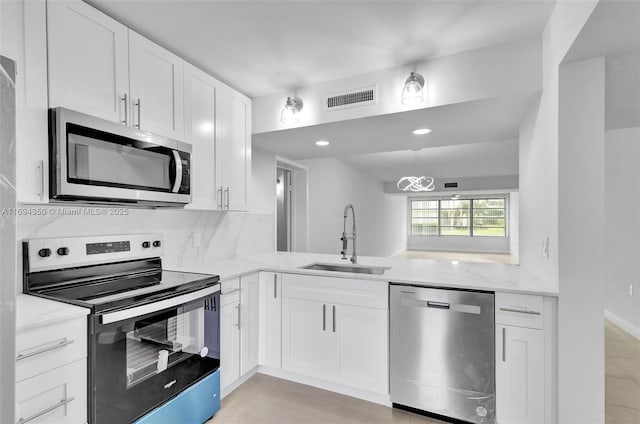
(232, 296)
(345, 291)
(44, 348)
(521, 310)
(58, 396)
(230, 285)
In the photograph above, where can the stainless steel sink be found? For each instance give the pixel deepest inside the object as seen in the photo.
(358, 269)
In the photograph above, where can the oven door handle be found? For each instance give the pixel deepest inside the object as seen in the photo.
(137, 311)
(178, 168)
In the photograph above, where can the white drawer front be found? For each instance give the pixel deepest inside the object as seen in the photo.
(58, 396)
(345, 291)
(521, 310)
(44, 348)
(230, 285)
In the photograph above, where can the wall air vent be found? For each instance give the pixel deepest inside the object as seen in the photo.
(352, 98)
(450, 185)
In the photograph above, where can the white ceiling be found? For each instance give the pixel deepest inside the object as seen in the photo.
(461, 123)
(470, 160)
(261, 47)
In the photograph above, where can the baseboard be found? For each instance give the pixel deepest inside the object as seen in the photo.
(622, 323)
(379, 398)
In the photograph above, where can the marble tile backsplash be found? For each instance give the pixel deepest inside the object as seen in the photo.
(224, 235)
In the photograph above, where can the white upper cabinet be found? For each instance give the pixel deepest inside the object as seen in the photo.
(233, 147)
(200, 125)
(156, 78)
(88, 60)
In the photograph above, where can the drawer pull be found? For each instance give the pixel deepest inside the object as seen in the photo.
(63, 402)
(62, 343)
(520, 311)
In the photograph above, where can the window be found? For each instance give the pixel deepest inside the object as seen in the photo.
(481, 217)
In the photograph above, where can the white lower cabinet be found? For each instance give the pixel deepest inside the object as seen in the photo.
(249, 322)
(270, 337)
(337, 342)
(520, 392)
(229, 337)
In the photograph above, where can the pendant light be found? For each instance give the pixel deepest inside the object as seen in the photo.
(413, 91)
(416, 184)
(289, 113)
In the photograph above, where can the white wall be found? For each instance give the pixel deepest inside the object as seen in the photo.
(580, 376)
(622, 236)
(380, 218)
(581, 241)
(514, 224)
(460, 244)
(489, 72)
(262, 190)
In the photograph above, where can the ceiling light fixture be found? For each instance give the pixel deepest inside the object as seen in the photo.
(416, 184)
(421, 131)
(413, 93)
(322, 143)
(292, 107)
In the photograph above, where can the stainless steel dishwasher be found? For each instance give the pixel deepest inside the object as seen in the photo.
(442, 352)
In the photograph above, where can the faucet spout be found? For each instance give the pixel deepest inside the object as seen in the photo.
(349, 236)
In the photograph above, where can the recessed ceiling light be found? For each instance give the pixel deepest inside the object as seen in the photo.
(322, 143)
(421, 131)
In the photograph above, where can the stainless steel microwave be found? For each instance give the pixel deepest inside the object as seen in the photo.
(93, 160)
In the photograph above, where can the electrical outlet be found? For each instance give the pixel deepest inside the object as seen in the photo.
(197, 239)
(630, 289)
(545, 248)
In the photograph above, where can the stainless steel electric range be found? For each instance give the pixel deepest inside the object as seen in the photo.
(152, 333)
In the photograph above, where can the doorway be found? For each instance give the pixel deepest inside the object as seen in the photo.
(284, 191)
(291, 206)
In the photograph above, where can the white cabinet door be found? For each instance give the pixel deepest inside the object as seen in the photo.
(519, 375)
(271, 319)
(308, 345)
(249, 322)
(233, 145)
(58, 396)
(200, 126)
(229, 341)
(156, 82)
(88, 60)
(362, 342)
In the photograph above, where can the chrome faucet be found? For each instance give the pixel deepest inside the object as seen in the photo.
(350, 236)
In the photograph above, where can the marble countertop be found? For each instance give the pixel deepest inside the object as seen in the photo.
(32, 311)
(454, 274)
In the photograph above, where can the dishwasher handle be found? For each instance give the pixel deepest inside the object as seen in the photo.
(438, 305)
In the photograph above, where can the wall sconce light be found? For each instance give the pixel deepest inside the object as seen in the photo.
(412, 93)
(292, 107)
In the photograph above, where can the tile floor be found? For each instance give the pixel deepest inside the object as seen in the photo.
(269, 400)
(622, 376)
(502, 258)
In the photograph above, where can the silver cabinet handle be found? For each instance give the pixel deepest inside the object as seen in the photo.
(63, 402)
(520, 311)
(238, 324)
(333, 318)
(126, 109)
(504, 344)
(62, 343)
(139, 105)
(324, 317)
(275, 286)
(226, 192)
(41, 168)
(220, 197)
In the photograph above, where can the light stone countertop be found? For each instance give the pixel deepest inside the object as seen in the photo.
(436, 273)
(32, 312)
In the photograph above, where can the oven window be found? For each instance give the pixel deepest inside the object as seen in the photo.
(160, 342)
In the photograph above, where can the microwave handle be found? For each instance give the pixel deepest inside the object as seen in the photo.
(178, 164)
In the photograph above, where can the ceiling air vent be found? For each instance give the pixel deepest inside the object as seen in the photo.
(352, 98)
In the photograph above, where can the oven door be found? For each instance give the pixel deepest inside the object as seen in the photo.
(139, 362)
(102, 161)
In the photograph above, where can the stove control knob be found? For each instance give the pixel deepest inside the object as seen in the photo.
(44, 253)
(63, 251)
(146, 245)
(156, 243)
